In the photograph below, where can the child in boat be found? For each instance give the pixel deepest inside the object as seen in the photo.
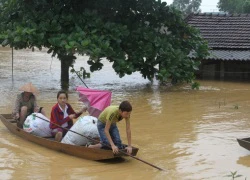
(107, 128)
(26, 104)
(62, 115)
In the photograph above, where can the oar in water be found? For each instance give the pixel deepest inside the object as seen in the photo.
(103, 144)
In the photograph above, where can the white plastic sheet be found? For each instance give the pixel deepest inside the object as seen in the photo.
(87, 127)
(37, 124)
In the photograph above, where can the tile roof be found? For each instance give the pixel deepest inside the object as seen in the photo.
(223, 31)
(225, 55)
(229, 55)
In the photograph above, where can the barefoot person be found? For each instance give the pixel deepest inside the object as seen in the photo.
(62, 115)
(108, 131)
(26, 104)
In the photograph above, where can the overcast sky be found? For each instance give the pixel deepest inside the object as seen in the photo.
(206, 5)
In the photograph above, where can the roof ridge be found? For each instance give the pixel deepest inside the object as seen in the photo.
(220, 14)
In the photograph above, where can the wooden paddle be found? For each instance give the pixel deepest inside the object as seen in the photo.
(102, 144)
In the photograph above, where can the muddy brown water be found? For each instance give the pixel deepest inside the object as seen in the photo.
(191, 134)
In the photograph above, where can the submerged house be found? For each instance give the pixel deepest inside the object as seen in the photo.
(228, 38)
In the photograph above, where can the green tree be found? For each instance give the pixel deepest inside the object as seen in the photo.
(187, 6)
(232, 6)
(135, 35)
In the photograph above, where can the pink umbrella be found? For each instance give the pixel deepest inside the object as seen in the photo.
(95, 100)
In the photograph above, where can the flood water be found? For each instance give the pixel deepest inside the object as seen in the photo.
(189, 133)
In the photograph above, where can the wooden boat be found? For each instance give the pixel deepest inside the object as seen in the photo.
(245, 143)
(78, 151)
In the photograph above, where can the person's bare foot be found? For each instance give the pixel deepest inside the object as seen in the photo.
(58, 136)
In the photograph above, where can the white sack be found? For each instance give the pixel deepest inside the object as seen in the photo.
(87, 126)
(37, 126)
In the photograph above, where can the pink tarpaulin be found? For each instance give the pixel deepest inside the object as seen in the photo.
(96, 100)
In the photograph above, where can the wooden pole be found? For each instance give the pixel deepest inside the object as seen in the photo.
(12, 52)
(80, 78)
(103, 144)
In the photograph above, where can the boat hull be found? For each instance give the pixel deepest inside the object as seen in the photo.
(245, 143)
(74, 150)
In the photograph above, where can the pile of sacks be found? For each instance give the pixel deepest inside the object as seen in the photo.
(87, 127)
(81, 133)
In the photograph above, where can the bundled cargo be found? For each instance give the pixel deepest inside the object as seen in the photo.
(38, 125)
(87, 127)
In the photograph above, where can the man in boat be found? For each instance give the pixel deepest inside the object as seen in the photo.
(107, 128)
(26, 104)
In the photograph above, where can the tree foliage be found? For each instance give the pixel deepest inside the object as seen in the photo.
(232, 6)
(135, 35)
(187, 6)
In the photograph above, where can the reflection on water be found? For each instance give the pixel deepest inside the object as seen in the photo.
(191, 134)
